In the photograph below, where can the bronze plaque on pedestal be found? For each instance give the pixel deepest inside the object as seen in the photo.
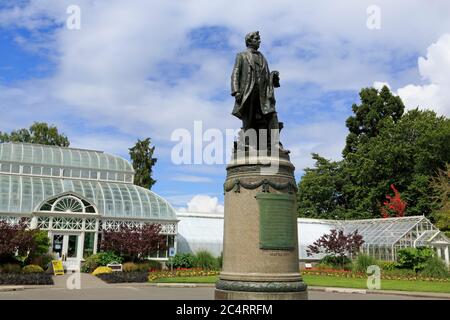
(277, 219)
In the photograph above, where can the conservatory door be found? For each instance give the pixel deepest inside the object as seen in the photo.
(69, 249)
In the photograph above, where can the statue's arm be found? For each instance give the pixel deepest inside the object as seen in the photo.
(235, 75)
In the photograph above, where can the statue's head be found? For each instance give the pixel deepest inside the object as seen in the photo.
(253, 40)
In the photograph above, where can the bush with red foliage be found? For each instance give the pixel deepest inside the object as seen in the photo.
(134, 243)
(337, 244)
(15, 238)
(394, 205)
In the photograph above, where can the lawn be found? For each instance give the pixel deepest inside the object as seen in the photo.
(400, 285)
(329, 281)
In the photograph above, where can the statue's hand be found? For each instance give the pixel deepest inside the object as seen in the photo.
(238, 97)
(275, 79)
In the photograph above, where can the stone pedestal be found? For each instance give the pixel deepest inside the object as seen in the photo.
(260, 254)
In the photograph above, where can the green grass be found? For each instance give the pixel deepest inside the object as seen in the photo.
(400, 285)
(330, 281)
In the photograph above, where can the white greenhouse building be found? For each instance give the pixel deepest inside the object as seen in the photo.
(75, 194)
(382, 237)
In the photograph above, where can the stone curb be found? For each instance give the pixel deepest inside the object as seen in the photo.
(11, 288)
(440, 295)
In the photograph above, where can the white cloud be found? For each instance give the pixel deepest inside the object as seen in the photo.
(113, 72)
(326, 138)
(203, 204)
(434, 69)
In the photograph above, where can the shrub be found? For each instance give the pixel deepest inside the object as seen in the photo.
(413, 258)
(435, 268)
(26, 279)
(153, 265)
(43, 260)
(130, 267)
(363, 262)
(10, 268)
(107, 257)
(135, 243)
(386, 265)
(182, 260)
(90, 264)
(101, 270)
(122, 277)
(337, 262)
(32, 268)
(205, 260)
(41, 244)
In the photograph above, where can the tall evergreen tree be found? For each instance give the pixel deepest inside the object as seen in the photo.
(39, 132)
(376, 109)
(142, 159)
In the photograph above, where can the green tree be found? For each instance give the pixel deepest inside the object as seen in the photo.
(407, 154)
(142, 158)
(376, 108)
(441, 186)
(39, 132)
(384, 147)
(320, 194)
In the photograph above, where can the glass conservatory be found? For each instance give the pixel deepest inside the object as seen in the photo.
(384, 237)
(75, 194)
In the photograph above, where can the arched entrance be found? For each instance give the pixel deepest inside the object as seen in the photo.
(72, 224)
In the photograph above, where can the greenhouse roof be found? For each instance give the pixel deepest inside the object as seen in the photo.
(23, 195)
(382, 231)
(62, 157)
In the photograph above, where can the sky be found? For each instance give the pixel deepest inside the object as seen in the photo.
(109, 72)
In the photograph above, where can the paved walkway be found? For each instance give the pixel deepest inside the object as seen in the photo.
(87, 286)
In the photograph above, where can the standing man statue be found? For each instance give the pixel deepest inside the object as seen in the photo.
(252, 85)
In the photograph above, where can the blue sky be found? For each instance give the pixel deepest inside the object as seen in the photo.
(146, 68)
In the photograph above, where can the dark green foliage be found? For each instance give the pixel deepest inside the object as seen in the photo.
(142, 159)
(142, 267)
(376, 110)
(386, 265)
(384, 147)
(124, 277)
(39, 253)
(90, 264)
(414, 258)
(151, 265)
(205, 260)
(321, 190)
(10, 268)
(182, 260)
(39, 132)
(435, 267)
(337, 262)
(441, 187)
(100, 259)
(26, 279)
(362, 262)
(105, 258)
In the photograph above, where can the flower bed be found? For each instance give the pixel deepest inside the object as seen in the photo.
(182, 272)
(384, 275)
(26, 279)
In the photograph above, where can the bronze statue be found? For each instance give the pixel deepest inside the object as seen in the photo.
(252, 85)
